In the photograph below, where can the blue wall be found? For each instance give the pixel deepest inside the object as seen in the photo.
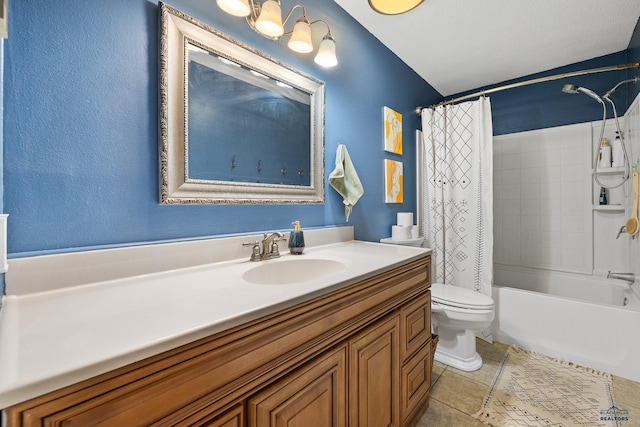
(81, 139)
(544, 105)
(80, 124)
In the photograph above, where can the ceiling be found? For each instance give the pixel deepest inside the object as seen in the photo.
(469, 44)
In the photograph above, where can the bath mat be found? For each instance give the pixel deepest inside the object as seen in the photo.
(531, 390)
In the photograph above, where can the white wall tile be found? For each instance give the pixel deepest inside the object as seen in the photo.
(545, 205)
(511, 161)
(530, 175)
(530, 207)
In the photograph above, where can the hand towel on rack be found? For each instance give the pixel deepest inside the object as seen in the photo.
(345, 181)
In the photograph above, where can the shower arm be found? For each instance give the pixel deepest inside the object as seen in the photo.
(608, 94)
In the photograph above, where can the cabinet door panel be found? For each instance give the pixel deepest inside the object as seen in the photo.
(313, 396)
(416, 381)
(374, 368)
(415, 325)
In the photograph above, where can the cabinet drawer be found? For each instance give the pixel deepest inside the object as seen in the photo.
(415, 325)
(416, 381)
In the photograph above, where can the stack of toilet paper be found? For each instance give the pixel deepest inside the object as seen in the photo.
(404, 229)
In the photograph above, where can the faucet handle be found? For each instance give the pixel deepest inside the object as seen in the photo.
(255, 251)
(274, 251)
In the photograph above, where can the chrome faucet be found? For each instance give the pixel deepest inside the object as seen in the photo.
(269, 248)
(627, 277)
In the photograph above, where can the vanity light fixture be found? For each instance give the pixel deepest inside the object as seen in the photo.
(266, 19)
(393, 7)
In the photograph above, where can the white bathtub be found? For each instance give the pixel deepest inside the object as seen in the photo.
(584, 322)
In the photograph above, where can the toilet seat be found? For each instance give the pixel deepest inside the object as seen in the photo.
(454, 296)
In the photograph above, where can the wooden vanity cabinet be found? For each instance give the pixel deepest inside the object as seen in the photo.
(357, 356)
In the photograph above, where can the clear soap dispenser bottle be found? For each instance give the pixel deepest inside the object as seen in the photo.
(296, 239)
(604, 159)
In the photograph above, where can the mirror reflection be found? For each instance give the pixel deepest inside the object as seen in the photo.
(245, 126)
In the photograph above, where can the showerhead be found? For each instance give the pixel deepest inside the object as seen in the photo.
(575, 89)
(570, 88)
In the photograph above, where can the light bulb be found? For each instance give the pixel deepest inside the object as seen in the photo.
(326, 55)
(235, 7)
(269, 22)
(300, 40)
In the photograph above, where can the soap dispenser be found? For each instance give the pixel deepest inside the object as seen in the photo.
(604, 158)
(296, 239)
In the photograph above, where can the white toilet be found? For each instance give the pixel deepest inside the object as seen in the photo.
(457, 314)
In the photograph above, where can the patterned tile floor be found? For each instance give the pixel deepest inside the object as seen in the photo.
(456, 395)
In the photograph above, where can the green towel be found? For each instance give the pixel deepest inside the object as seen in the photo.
(345, 181)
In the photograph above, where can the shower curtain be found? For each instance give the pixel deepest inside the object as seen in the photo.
(457, 193)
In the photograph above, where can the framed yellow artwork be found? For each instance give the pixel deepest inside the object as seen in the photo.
(392, 131)
(393, 187)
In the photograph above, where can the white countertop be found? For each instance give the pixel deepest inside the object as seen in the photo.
(56, 338)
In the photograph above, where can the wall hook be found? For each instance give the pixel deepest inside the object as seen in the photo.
(259, 167)
(283, 171)
(233, 161)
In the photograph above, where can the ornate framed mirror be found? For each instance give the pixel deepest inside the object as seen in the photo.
(236, 126)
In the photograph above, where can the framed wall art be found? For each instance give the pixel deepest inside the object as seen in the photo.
(392, 131)
(393, 186)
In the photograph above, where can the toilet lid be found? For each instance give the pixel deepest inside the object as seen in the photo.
(459, 297)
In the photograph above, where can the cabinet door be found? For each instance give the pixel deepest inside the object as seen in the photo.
(313, 396)
(415, 325)
(373, 376)
(416, 381)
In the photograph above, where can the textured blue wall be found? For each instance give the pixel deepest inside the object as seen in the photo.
(80, 124)
(544, 105)
(81, 139)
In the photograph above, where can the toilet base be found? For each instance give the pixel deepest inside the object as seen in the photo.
(471, 364)
(457, 348)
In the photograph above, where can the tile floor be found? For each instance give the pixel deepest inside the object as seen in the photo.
(456, 395)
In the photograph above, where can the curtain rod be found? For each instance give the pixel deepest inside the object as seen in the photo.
(419, 109)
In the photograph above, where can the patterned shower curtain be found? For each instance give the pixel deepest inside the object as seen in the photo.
(457, 193)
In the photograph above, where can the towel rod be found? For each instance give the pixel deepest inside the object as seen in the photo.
(419, 109)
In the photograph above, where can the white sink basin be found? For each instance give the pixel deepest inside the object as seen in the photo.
(292, 270)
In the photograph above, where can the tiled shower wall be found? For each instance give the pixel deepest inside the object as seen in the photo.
(542, 201)
(546, 212)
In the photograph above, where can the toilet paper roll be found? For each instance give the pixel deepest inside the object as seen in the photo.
(405, 219)
(400, 232)
(415, 232)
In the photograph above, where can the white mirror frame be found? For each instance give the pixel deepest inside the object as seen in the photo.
(176, 31)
